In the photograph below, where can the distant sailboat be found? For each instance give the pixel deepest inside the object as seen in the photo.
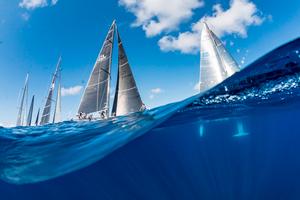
(127, 98)
(22, 109)
(216, 64)
(96, 94)
(29, 116)
(47, 109)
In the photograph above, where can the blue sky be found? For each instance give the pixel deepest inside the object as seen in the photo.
(161, 39)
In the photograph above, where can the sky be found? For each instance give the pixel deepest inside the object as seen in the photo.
(161, 39)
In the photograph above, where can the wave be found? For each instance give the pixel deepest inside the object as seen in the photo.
(34, 154)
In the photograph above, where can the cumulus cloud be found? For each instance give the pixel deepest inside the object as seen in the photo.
(157, 16)
(187, 42)
(54, 2)
(235, 20)
(7, 124)
(33, 4)
(25, 16)
(151, 96)
(154, 92)
(71, 91)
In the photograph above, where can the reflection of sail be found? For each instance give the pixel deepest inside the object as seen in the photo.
(96, 94)
(29, 116)
(201, 130)
(47, 109)
(240, 130)
(216, 64)
(22, 112)
(127, 97)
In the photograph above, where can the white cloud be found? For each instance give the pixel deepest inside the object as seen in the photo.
(187, 42)
(54, 2)
(7, 124)
(157, 16)
(235, 20)
(156, 91)
(25, 16)
(33, 4)
(71, 91)
(151, 96)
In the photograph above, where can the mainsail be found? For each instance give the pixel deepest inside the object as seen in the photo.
(127, 97)
(22, 111)
(216, 64)
(29, 116)
(96, 94)
(47, 109)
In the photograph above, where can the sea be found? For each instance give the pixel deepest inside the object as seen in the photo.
(238, 141)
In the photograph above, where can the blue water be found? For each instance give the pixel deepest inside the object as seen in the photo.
(238, 142)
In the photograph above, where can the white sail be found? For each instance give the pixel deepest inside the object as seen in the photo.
(216, 64)
(229, 63)
(96, 94)
(127, 97)
(22, 109)
(29, 116)
(47, 109)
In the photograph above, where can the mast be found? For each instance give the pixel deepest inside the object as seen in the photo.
(29, 116)
(21, 113)
(47, 109)
(57, 111)
(96, 94)
(216, 64)
(127, 97)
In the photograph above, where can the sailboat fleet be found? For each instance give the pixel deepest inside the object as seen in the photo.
(25, 119)
(216, 64)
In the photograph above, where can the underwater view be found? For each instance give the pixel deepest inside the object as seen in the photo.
(239, 140)
(149, 100)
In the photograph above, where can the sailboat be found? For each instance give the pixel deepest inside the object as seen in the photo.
(22, 108)
(45, 119)
(216, 63)
(96, 97)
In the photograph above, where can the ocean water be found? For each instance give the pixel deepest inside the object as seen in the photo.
(240, 140)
